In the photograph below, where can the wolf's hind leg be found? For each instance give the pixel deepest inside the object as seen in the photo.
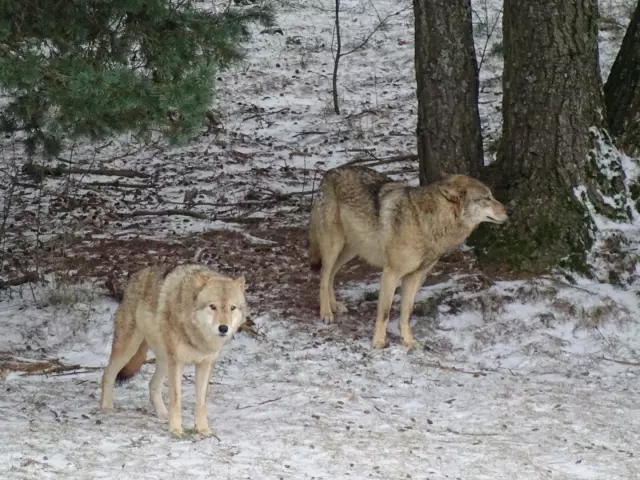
(126, 342)
(175, 407)
(345, 256)
(331, 246)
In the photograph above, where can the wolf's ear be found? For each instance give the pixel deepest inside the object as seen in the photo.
(452, 188)
(450, 192)
(200, 278)
(240, 282)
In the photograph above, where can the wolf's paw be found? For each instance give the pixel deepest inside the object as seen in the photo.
(162, 413)
(106, 406)
(379, 343)
(412, 344)
(327, 318)
(177, 432)
(339, 307)
(205, 431)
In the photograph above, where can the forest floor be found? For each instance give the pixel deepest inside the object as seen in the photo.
(521, 378)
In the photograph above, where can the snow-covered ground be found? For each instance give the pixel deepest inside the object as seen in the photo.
(520, 383)
(526, 379)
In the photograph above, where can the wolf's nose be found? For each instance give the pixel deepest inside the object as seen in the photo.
(223, 329)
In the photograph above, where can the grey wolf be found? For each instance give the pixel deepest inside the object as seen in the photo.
(400, 229)
(185, 315)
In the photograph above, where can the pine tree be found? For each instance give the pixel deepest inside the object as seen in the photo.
(449, 135)
(622, 90)
(92, 68)
(551, 120)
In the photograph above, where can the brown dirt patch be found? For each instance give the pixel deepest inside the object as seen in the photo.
(273, 257)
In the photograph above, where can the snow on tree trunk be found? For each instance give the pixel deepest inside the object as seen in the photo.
(449, 136)
(622, 90)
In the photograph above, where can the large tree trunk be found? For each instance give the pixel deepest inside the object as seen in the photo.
(622, 90)
(552, 98)
(449, 135)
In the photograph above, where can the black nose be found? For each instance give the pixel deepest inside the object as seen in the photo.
(223, 329)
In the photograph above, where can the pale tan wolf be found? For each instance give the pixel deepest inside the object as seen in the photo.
(400, 229)
(185, 315)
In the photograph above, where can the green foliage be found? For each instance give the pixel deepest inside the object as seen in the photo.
(94, 68)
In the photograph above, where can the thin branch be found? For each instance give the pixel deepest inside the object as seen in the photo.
(489, 35)
(336, 105)
(40, 170)
(70, 369)
(400, 158)
(160, 213)
(238, 407)
(622, 362)
(12, 282)
(117, 184)
(264, 114)
(383, 161)
(310, 132)
(458, 370)
(380, 24)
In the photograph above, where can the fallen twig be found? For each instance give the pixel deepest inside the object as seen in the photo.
(238, 407)
(310, 132)
(399, 158)
(247, 327)
(38, 171)
(144, 213)
(13, 282)
(118, 184)
(370, 111)
(70, 369)
(264, 114)
(622, 362)
(456, 369)
(240, 219)
(53, 367)
(76, 372)
(382, 161)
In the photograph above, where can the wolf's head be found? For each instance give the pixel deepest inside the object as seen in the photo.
(220, 304)
(473, 199)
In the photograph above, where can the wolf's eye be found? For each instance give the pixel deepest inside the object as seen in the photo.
(212, 307)
(233, 307)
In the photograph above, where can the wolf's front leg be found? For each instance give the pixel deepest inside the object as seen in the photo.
(175, 410)
(203, 374)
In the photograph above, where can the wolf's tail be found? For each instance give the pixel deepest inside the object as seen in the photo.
(315, 258)
(133, 365)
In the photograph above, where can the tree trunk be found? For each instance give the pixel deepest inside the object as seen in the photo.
(552, 100)
(449, 135)
(622, 90)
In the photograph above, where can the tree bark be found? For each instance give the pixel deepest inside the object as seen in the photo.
(622, 90)
(552, 101)
(449, 135)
